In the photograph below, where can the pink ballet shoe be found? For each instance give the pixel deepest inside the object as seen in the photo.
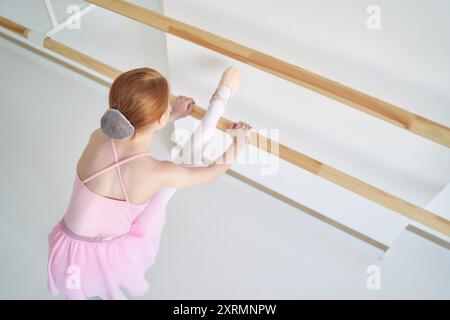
(227, 86)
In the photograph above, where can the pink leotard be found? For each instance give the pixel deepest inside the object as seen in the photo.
(103, 244)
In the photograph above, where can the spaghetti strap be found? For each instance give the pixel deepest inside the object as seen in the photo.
(114, 165)
(118, 170)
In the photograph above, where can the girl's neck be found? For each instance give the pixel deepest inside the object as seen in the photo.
(140, 143)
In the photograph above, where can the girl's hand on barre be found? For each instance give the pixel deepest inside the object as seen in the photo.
(182, 107)
(240, 132)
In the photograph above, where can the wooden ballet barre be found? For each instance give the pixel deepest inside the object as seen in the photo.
(14, 27)
(292, 156)
(324, 86)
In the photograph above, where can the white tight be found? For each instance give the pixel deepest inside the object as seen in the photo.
(202, 134)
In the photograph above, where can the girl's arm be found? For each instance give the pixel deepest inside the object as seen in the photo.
(178, 176)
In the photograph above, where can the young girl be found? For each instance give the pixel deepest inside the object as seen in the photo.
(109, 235)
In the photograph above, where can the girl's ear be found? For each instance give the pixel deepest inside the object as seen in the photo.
(164, 118)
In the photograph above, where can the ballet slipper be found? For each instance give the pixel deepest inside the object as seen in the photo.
(228, 85)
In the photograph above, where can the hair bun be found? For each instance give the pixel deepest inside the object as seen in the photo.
(115, 125)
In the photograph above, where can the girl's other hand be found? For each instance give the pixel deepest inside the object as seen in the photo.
(240, 132)
(182, 107)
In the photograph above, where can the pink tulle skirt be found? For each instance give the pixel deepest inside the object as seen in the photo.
(81, 269)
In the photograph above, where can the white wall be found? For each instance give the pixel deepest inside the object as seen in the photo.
(405, 63)
(248, 246)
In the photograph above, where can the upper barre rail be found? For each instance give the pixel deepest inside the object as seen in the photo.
(294, 157)
(378, 108)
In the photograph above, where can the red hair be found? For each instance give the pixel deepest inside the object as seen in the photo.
(142, 95)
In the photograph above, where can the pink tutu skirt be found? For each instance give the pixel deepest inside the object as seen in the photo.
(82, 267)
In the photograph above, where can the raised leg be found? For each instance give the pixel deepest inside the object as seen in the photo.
(152, 218)
(202, 134)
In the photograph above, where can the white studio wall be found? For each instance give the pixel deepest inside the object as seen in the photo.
(251, 245)
(332, 39)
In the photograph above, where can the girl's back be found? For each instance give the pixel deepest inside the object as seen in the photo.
(139, 175)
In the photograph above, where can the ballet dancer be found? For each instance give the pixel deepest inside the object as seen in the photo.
(105, 243)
